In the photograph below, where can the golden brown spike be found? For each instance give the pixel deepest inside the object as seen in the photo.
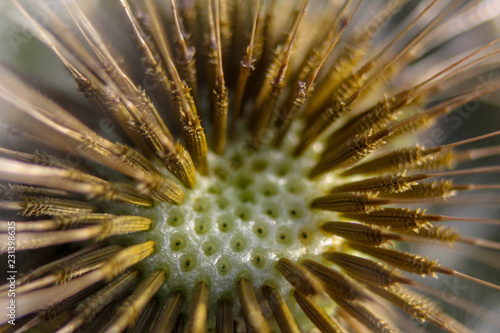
(416, 306)
(281, 312)
(224, 321)
(349, 153)
(135, 303)
(298, 278)
(395, 218)
(250, 307)
(196, 142)
(151, 57)
(414, 157)
(452, 272)
(40, 158)
(123, 225)
(63, 222)
(143, 110)
(375, 118)
(350, 202)
(430, 116)
(334, 283)
(409, 262)
(389, 184)
(168, 317)
(365, 270)
(91, 306)
(359, 233)
(199, 307)
(365, 316)
(316, 314)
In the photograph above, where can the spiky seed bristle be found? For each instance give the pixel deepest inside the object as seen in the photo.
(299, 195)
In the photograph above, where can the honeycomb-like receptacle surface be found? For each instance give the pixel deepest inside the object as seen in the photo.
(251, 210)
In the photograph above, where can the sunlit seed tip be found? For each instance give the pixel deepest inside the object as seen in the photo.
(316, 73)
(425, 190)
(410, 158)
(349, 152)
(124, 224)
(65, 270)
(181, 166)
(394, 218)
(199, 308)
(437, 233)
(87, 309)
(162, 189)
(40, 206)
(251, 308)
(389, 184)
(406, 261)
(366, 270)
(334, 282)
(364, 316)
(130, 310)
(416, 306)
(127, 258)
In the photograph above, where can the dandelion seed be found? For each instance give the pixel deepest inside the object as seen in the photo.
(257, 175)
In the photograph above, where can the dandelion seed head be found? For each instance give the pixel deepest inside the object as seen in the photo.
(251, 166)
